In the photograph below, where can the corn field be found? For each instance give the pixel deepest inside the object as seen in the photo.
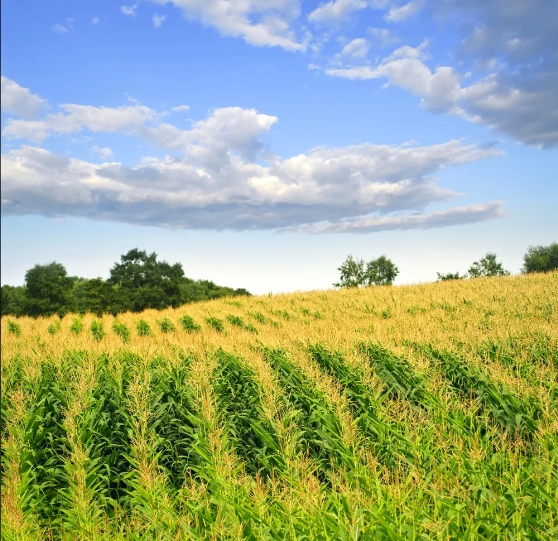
(399, 413)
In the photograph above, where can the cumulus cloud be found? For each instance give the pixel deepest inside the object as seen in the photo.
(158, 20)
(322, 185)
(19, 100)
(181, 108)
(258, 22)
(225, 177)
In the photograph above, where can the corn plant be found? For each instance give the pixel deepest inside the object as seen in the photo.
(97, 330)
(320, 428)
(239, 322)
(143, 328)
(166, 325)
(215, 323)
(188, 324)
(387, 441)
(238, 398)
(512, 413)
(121, 330)
(399, 376)
(53, 328)
(77, 326)
(42, 452)
(13, 328)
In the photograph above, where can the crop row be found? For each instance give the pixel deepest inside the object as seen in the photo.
(134, 445)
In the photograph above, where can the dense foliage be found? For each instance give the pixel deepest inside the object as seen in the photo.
(138, 282)
(541, 258)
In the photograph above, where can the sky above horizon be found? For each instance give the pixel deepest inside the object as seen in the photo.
(259, 142)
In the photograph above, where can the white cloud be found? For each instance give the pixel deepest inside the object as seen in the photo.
(158, 20)
(258, 22)
(95, 20)
(340, 10)
(104, 152)
(528, 115)
(370, 224)
(181, 108)
(397, 14)
(19, 100)
(322, 185)
(79, 117)
(225, 178)
(357, 48)
(130, 11)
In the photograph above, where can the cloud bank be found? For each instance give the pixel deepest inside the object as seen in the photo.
(225, 177)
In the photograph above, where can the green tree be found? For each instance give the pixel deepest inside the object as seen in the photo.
(143, 282)
(487, 266)
(541, 258)
(352, 273)
(380, 272)
(13, 300)
(48, 290)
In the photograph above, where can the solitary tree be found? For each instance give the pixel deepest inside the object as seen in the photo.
(380, 272)
(541, 258)
(487, 266)
(352, 273)
(143, 282)
(48, 290)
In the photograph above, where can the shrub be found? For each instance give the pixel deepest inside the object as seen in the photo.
(449, 276)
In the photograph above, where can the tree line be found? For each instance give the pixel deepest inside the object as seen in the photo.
(355, 272)
(137, 282)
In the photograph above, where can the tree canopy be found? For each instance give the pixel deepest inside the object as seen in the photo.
(48, 290)
(355, 273)
(143, 282)
(138, 281)
(487, 266)
(541, 258)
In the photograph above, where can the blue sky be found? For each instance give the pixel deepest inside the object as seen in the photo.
(260, 142)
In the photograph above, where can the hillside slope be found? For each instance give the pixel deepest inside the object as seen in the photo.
(413, 412)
